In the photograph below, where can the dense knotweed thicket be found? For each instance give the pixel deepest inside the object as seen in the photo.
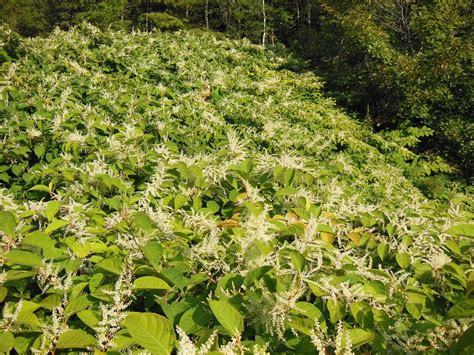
(179, 192)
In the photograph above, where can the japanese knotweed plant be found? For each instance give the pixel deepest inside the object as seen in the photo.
(180, 192)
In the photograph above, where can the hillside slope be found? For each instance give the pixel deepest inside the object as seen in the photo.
(198, 179)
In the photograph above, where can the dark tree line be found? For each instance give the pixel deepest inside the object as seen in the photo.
(398, 64)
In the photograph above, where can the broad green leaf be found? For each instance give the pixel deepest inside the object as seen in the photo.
(39, 239)
(403, 259)
(3, 293)
(194, 319)
(76, 305)
(55, 225)
(256, 274)
(51, 210)
(288, 176)
(27, 317)
(153, 332)
(465, 230)
(368, 221)
(301, 324)
(309, 310)
(7, 223)
(179, 201)
(13, 275)
(89, 318)
(112, 264)
(42, 188)
(463, 309)
(317, 290)
(325, 228)
(298, 260)
(142, 221)
(470, 284)
(51, 302)
(294, 229)
(414, 309)
(362, 313)
(153, 251)
(75, 339)
(336, 310)
(24, 257)
(150, 283)
(360, 337)
(288, 190)
(39, 150)
(465, 344)
(382, 250)
(7, 341)
(228, 316)
(121, 342)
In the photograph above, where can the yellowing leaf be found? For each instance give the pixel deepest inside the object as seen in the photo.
(228, 223)
(328, 237)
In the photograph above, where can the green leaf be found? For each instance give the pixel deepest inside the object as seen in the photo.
(228, 316)
(382, 251)
(289, 190)
(7, 223)
(150, 283)
(151, 331)
(179, 201)
(7, 341)
(194, 319)
(76, 305)
(51, 302)
(288, 176)
(336, 310)
(51, 210)
(3, 293)
(325, 229)
(298, 260)
(465, 230)
(403, 259)
(368, 221)
(309, 310)
(75, 339)
(27, 316)
(142, 221)
(414, 309)
(463, 309)
(13, 275)
(39, 150)
(362, 313)
(470, 284)
(24, 257)
(113, 265)
(465, 344)
(55, 225)
(39, 239)
(88, 318)
(360, 337)
(153, 251)
(42, 188)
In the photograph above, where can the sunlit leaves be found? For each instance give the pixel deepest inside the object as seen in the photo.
(261, 215)
(152, 331)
